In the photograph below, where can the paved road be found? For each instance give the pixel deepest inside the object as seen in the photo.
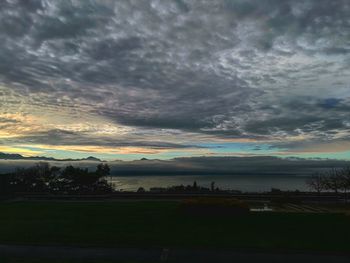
(167, 255)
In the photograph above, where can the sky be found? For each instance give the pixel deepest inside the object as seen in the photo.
(162, 79)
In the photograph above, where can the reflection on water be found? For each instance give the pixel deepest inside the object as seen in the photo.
(242, 183)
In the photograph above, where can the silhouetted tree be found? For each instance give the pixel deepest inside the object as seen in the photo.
(346, 181)
(43, 178)
(103, 170)
(141, 190)
(333, 180)
(102, 184)
(38, 178)
(212, 186)
(80, 180)
(195, 187)
(317, 183)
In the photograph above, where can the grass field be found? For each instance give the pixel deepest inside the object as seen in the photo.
(162, 224)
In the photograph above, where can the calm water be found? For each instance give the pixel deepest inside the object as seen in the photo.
(243, 183)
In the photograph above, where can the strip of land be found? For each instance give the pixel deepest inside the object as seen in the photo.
(108, 255)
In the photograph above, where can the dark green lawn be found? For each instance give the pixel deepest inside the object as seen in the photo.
(162, 224)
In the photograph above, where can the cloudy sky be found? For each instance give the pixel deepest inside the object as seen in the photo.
(167, 78)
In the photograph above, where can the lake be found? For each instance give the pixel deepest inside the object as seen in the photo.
(243, 183)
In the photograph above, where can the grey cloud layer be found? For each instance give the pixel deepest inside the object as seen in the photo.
(253, 68)
(62, 137)
(203, 165)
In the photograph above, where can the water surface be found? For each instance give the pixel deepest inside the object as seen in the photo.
(243, 183)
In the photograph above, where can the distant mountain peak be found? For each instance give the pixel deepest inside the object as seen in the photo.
(15, 156)
(92, 158)
(12, 156)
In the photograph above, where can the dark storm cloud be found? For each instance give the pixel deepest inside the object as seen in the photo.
(319, 117)
(67, 138)
(218, 67)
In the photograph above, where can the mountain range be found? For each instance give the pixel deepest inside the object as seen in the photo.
(9, 156)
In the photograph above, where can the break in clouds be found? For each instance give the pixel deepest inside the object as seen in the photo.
(155, 73)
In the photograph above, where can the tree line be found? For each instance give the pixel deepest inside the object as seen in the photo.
(43, 178)
(335, 180)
